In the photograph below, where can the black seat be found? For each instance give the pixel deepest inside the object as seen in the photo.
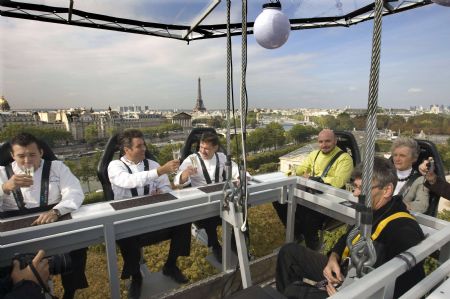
(428, 149)
(111, 148)
(192, 143)
(5, 153)
(347, 142)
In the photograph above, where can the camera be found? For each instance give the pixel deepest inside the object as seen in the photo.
(57, 264)
(317, 179)
(430, 166)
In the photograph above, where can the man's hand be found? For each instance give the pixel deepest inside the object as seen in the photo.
(430, 176)
(186, 174)
(17, 181)
(47, 217)
(331, 290)
(39, 263)
(170, 167)
(332, 271)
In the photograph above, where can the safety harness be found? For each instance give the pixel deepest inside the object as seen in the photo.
(383, 223)
(216, 173)
(327, 169)
(43, 198)
(134, 192)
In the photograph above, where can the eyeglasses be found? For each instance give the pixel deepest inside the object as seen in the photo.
(352, 188)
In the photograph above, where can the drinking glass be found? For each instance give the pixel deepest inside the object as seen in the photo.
(349, 187)
(29, 170)
(194, 162)
(176, 153)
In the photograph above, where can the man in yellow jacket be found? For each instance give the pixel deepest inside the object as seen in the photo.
(329, 165)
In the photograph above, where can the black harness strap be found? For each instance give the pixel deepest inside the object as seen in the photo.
(325, 172)
(405, 189)
(134, 192)
(45, 183)
(216, 174)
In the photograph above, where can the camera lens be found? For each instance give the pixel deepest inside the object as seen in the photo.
(59, 264)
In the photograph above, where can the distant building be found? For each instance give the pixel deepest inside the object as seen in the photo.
(294, 159)
(183, 119)
(4, 105)
(199, 106)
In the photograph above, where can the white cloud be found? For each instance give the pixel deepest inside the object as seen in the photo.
(415, 90)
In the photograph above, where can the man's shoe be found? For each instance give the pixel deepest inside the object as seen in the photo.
(134, 290)
(175, 273)
(217, 252)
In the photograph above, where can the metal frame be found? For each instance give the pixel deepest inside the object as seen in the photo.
(380, 282)
(75, 17)
(97, 223)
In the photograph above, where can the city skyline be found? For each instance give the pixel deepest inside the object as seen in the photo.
(54, 66)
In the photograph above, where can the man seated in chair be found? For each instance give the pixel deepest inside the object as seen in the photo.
(31, 182)
(401, 231)
(329, 165)
(134, 174)
(208, 168)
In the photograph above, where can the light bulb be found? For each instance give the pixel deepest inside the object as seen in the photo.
(442, 2)
(272, 26)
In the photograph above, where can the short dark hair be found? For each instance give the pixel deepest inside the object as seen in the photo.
(126, 138)
(210, 137)
(384, 172)
(25, 139)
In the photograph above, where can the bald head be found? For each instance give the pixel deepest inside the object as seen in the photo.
(327, 140)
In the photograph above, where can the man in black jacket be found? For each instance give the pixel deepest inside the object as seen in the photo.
(296, 262)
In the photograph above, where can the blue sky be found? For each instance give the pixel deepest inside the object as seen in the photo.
(54, 66)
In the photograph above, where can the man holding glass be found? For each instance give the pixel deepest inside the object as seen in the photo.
(135, 175)
(31, 182)
(207, 166)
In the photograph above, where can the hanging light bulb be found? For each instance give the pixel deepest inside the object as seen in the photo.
(272, 27)
(442, 2)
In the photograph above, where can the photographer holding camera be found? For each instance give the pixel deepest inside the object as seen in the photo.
(433, 182)
(28, 282)
(329, 165)
(32, 182)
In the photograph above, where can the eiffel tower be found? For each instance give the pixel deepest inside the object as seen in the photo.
(199, 106)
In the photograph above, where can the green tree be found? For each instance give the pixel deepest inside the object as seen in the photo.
(300, 133)
(50, 135)
(344, 122)
(275, 135)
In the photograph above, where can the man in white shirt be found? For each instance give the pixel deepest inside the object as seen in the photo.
(31, 182)
(202, 168)
(134, 175)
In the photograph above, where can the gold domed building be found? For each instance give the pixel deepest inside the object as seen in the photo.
(4, 105)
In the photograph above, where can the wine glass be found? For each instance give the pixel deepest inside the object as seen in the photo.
(194, 162)
(176, 153)
(29, 170)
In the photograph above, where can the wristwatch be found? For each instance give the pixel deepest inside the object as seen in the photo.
(56, 212)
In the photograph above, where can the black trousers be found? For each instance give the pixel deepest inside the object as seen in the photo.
(296, 262)
(76, 279)
(130, 248)
(210, 225)
(307, 222)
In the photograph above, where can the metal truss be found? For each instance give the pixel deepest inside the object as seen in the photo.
(75, 17)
